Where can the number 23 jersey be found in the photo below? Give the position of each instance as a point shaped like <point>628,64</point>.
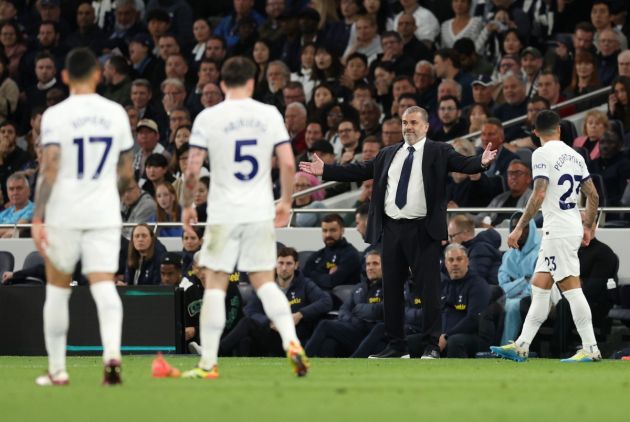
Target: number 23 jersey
<point>91,132</point>
<point>240,136</point>
<point>565,170</point>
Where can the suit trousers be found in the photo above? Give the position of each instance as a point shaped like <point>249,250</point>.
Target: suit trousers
<point>407,246</point>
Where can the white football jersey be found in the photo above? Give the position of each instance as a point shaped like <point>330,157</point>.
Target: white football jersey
<point>566,171</point>
<point>92,132</point>
<point>240,136</point>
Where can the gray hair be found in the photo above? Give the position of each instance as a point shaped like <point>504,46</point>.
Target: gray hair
<point>417,109</point>
<point>455,247</point>
<point>172,81</point>
<point>456,84</point>
<point>285,69</point>
<point>518,76</point>
<point>19,176</point>
<point>426,63</point>
<point>142,82</point>
<point>298,106</point>
<point>126,3</point>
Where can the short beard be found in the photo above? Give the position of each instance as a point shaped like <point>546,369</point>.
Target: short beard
<point>411,138</point>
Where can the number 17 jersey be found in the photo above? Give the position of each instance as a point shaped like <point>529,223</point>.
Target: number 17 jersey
<point>240,136</point>
<point>565,170</point>
<point>91,132</point>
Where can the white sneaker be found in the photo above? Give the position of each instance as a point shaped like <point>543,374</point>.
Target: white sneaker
<point>194,348</point>
<point>60,378</point>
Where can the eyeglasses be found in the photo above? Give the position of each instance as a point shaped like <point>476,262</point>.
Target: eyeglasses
<point>452,236</point>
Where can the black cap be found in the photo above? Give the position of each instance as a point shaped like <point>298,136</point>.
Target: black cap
<point>159,15</point>
<point>533,51</point>
<point>143,39</point>
<point>322,146</point>
<point>156,160</point>
<point>484,80</point>
<point>172,258</point>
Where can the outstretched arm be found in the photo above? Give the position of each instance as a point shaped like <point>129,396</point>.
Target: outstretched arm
<point>471,165</point>
<point>532,207</point>
<point>353,172</point>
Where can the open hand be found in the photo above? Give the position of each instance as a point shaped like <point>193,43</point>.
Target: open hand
<point>489,155</point>
<point>315,167</point>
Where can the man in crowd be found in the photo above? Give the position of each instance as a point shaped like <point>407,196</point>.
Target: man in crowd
<point>20,209</point>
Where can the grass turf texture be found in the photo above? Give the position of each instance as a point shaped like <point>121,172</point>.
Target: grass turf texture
<point>335,390</point>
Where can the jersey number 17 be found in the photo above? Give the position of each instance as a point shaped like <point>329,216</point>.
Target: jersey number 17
<point>92,140</point>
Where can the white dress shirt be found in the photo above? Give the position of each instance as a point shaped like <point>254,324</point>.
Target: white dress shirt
<point>416,206</point>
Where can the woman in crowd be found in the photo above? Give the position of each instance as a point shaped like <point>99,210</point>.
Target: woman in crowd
<point>584,79</point>
<point>595,125</point>
<point>191,243</point>
<point>202,32</point>
<point>461,26</point>
<point>13,45</point>
<point>618,105</point>
<point>144,257</point>
<point>305,74</point>
<point>261,54</point>
<point>168,209</point>
<point>200,198</point>
<point>478,114</point>
<point>303,181</point>
<point>323,96</point>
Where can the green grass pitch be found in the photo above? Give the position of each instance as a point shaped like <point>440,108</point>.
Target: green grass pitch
<point>335,390</point>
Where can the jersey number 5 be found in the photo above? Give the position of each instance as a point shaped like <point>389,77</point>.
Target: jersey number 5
<point>80,143</point>
<point>569,178</point>
<point>239,157</point>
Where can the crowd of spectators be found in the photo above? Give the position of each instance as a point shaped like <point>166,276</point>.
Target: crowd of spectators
<point>341,72</point>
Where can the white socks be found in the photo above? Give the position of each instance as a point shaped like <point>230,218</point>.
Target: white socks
<point>110,316</point>
<point>537,314</point>
<point>56,321</point>
<point>582,318</point>
<point>211,325</point>
<point>279,312</point>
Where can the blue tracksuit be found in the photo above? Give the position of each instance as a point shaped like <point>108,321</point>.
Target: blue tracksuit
<point>343,257</point>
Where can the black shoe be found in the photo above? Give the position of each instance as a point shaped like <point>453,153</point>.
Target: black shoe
<point>431,352</point>
<point>391,353</point>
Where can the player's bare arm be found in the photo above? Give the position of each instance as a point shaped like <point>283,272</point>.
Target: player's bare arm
<point>592,202</point>
<point>189,213</point>
<point>125,171</point>
<point>532,207</point>
<point>286,164</point>
<point>48,174</point>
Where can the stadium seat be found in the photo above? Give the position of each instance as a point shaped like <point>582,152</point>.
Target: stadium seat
<point>342,292</point>
<point>303,256</point>
<point>33,259</point>
<point>7,261</point>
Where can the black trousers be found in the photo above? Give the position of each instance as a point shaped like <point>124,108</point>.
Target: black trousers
<point>407,245</point>
<point>335,339</point>
<point>249,338</point>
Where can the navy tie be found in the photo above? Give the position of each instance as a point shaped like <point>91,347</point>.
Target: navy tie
<point>403,183</point>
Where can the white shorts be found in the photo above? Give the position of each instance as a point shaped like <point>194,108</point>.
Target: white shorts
<point>559,257</point>
<point>98,249</point>
<point>247,247</point>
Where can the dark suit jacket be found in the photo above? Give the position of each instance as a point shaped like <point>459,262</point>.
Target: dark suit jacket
<point>438,159</point>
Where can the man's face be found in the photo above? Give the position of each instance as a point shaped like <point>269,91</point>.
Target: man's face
<point>140,96</point>
<point>169,275</point>
<point>440,66</point>
<point>406,26</point>
<point>18,192</point>
<point>167,46</point>
<point>177,92</point>
<point>348,8</point>
<point>391,134</point>
<point>518,179</point>
<point>392,46</point>
<point>608,42</point>
<point>404,104</point>
<point>608,147</point>
<point>548,88</point>
<point>157,28</point>
<point>155,173</point>
<point>531,64</point>
<point>293,95</point>
<point>482,94</point>
<point>331,233</point>
<point>285,267</point>
<point>369,115</point>
<point>276,78</point>
<point>533,109</point>
<point>508,64</point>
<point>513,91</point>
<point>356,69</point>
<point>448,112</point>
<point>211,95</point>
<point>414,127</point>
<point>373,267</point>
<point>313,133</point>
<point>45,70</point>
<point>85,15</point>
<point>208,72</point>
<point>365,31</point>
<point>491,134</point>
<point>447,88</point>
<point>623,63</point>
<point>456,263</point>
<point>600,16</point>
<point>370,150</point>
<point>137,52</point>
<point>50,12</point>
<point>583,40</point>
<point>348,136</point>
<point>215,50</point>
<point>131,195</point>
<point>147,139</point>
<point>423,77</point>
<point>361,224</point>
<point>294,120</point>
<point>8,137</point>
<point>176,67</point>
<point>274,8</point>
<point>47,36</point>
<point>178,118</point>
<point>126,15</point>
<point>455,234</point>
<point>243,7</point>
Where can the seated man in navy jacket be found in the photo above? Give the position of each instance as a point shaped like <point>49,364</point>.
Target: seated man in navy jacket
<point>357,316</point>
<point>464,297</point>
<point>255,335</point>
<point>338,262</point>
